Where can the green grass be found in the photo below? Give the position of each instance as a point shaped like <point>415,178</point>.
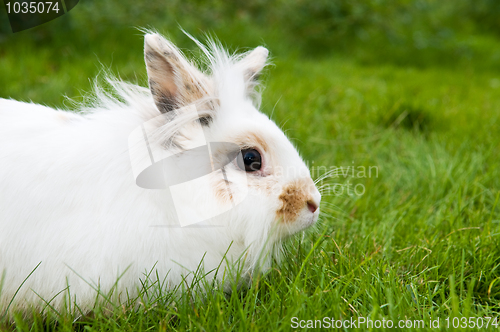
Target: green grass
<point>422,243</point>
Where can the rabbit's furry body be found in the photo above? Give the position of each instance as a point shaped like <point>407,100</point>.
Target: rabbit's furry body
<point>70,207</point>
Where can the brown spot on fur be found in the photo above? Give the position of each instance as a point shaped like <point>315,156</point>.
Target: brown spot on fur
<point>63,117</point>
<point>294,198</point>
<point>222,191</point>
<point>67,117</point>
<point>251,140</point>
<point>172,81</point>
<point>263,185</point>
<point>165,103</point>
<point>161,81</point>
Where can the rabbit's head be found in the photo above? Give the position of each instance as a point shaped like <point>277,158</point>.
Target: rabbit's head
<point>267,189</point>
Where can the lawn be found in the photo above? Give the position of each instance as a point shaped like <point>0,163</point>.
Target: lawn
<point>418,241</point>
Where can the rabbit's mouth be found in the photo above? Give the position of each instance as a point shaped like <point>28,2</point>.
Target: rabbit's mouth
<point>313,218</point>
<point>300,224</point>
<point>309,219</point>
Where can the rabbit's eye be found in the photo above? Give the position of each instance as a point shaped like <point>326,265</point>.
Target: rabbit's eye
<point>252,160</point>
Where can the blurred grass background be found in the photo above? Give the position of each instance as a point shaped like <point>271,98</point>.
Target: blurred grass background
<point>456,34</point>
<point>409,86</point>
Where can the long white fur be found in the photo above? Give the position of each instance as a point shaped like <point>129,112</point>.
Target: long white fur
<point>69,202</point>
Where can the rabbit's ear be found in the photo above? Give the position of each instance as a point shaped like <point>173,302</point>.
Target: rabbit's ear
<point>253,63</point>
<point>173,81</point>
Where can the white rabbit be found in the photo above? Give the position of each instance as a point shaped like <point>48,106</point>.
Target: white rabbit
<point>72,210</point>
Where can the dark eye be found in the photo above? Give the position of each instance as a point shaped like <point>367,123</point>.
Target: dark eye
<point>252,161</point>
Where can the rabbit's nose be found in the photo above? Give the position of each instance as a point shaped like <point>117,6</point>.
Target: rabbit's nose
<point>312,206</point>
<point>314,200</point>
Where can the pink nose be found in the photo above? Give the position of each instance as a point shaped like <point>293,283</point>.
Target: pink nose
<point>312,206</point>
